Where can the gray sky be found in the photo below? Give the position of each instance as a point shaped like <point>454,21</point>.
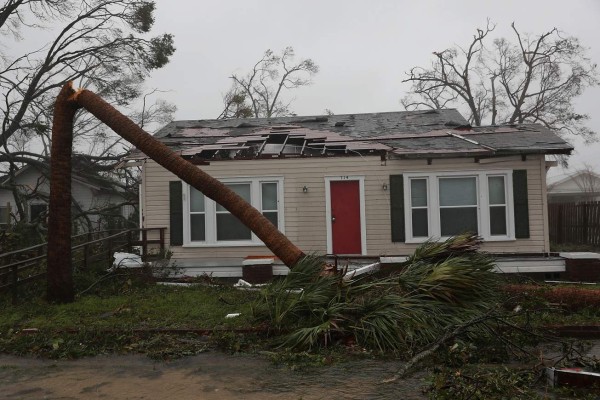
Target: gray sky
<point>363,48</point>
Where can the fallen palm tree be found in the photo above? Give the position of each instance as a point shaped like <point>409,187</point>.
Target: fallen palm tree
<point>60,281</point>
<point>441,286</point>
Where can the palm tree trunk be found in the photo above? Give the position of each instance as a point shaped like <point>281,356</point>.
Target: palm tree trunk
<point>277,242</point>
<point>60,274</point>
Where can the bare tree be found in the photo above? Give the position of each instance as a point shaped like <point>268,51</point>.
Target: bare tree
<point>534,79</point>
<point>14,13</point>
<point>588,182</point>
<point>103,45</point>
<point>259,93</point>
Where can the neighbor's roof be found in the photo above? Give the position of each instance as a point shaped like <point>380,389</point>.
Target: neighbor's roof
<point>405,134</point>
<point>82,171</point>
<point>578,182</point>
<point>564,178</point>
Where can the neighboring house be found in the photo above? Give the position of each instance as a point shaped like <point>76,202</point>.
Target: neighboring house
<point>92,195</point>
<point>577,187</point>
<point>364,184</point>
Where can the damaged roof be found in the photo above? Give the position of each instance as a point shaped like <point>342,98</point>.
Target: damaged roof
<point>404,134</point>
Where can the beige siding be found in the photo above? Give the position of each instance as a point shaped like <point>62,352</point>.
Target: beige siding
<point>305,219</point>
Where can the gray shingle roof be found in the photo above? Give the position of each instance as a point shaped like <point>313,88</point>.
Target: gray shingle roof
<point>351,125</point>
<point>405,134</point>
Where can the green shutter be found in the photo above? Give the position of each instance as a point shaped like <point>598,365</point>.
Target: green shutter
<point>397,207</point>
<point>521,205</point>
<point>176,213</point>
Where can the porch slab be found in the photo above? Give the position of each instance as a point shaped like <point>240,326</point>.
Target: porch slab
<point>580,255</point>
<point>232,267</point>
<point>529,264</point>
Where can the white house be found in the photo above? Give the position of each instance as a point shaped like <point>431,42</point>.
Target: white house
<point>580,186</point>
<point>92,196</point>
<point>360,184</point>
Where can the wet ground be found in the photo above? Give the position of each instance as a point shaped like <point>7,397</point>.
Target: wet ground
<point>208,376</point>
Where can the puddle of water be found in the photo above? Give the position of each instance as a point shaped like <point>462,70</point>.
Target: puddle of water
<point>211,376</point>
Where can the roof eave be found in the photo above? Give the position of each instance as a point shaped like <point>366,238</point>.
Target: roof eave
<point>483,153</point>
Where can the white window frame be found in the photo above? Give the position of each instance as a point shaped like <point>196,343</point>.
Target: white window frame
<point>483,206</point>
<point>210,207</point>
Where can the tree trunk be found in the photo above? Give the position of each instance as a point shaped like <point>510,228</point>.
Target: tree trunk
<point>60,274</point>
<point>277,242</point>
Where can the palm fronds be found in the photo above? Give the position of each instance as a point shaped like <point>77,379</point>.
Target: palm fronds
<point>459,280</point>
<point>460,244</point>
<point>301,296</point>
<point>441,286</point>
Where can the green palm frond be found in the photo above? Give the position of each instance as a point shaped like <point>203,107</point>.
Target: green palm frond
<point>441,286</point>
<point>460,244</point>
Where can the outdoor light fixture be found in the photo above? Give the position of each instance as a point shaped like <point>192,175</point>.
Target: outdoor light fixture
<point>304,189</point>
<point>384,187</point>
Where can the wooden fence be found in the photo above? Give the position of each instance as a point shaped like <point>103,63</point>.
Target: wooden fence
<point>21,267</point>
<point>575,223</point>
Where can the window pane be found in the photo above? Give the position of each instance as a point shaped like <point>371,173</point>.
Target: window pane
<point>418,192</point>
<point>36,211</point>
<point>496,189</point>
<point>455,221</point>
<point>498,220</point>
<point>4,217</point>
<point>197,227</point>
<point>196,200</point>
<point>419,223</point>
<point>271,216</point>
<point>230,228</point>
<point>242,189</point>
<point>269,196</point>
<point>458,191</point>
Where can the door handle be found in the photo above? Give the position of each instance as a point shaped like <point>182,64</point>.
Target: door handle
<point>332,219</point>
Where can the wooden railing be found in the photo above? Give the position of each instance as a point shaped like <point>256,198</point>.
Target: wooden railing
<point>20,267</point>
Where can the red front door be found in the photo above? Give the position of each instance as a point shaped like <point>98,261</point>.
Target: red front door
<point>345,217</point>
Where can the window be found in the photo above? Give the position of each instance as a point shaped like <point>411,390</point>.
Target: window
<point>210,224</point>
<point>446,203</point>
<point>228,226</point>
<point>419,208</point>
<point>37,212</point>
<point>458,205</point>
<point>497,204</point>
<point>4,215</point>
<point>197,216</point>
<point>269,203</point>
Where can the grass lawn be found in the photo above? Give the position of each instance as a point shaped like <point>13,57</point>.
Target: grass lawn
<point>117,323</point>
<point>121,317</point>
<point>153,306</point>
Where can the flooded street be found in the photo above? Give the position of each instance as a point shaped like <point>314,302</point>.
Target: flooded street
<point>208,376</point>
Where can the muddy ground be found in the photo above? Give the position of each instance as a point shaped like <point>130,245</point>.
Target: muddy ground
<point>211,376</point>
